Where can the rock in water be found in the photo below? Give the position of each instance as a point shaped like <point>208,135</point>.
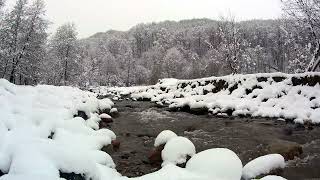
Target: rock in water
<point>216,163</point>
<point>287,149</point>
<point>105,121</point>
<point>155,155</point>
<point>263,165</point>
<point>114,112</point>
<point>115,145</point>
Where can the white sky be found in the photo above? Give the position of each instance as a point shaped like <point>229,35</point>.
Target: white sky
<point>92,16</point>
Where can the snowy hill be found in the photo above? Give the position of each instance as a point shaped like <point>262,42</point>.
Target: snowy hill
<point>276,95</point>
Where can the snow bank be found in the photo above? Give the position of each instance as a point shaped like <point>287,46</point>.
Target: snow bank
<point>176,151</point>
<point>40,136</point>
<point>216,164</point>
<point>276,95</point>
<point>263,165</point>
<point>164,137</point>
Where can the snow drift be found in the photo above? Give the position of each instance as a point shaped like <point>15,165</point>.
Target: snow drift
<point>41,137</point>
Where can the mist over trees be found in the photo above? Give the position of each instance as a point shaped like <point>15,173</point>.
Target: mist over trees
<point>147,52</point>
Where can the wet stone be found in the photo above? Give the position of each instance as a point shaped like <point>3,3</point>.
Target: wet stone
<point>155,155</point>
<point>72,176</point>
<point>115,145</point>
<point>81,114</point>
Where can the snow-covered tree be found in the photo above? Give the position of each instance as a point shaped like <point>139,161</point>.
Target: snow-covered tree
<point>231,44</point>
<point>12,30</point>
<point>173,64</point>
<point>63,52</point>
<point>23,37</point>
<point>306,15</point>
<point>213,61</point>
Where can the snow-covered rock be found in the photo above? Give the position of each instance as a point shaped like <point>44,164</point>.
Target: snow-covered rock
<point>105,104</point>
<point>114,112</point>
<point>263,165</point>
<point>164,137</point>
<point>177,150</point>
<point>272,177</point>
<point>105,116</point>
<point>216,163</point>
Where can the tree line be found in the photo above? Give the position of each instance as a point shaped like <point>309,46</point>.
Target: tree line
<point>147,52</point>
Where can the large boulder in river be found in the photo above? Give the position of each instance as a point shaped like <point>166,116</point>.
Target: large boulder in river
<point>159,143</point>
<point>268,164</point>
<point>216,163</point>
<point>287,149</point>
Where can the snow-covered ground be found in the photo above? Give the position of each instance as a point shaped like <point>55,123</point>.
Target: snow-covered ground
<point>40,137</point>
<point>276,95</point>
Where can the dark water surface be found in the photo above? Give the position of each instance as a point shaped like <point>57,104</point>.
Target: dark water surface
<point>140,122</point>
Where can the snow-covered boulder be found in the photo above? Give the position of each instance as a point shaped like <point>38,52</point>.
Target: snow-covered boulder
<point>263,165</point>
<point>114,112</point>
<point>216,163</point>
<point>105,121</point>
<point>177,150</point>
<point>154,155</point>
<point>105,116</point>
<point>105,105</point>
<point>164,137</point>
<point>272,177</point>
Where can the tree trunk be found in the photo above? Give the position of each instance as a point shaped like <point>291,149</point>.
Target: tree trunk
<point>315,62</point>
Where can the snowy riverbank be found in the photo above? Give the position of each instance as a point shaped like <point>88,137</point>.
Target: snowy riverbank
<point>276,95</point>
<point>48,132</point>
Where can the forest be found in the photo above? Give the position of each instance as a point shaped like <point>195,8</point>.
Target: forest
<point>147,52</point>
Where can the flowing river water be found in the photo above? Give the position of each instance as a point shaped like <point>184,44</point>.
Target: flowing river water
<point>140,122</point>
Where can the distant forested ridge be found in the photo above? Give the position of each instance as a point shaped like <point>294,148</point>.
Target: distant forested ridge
<point>147,52</point>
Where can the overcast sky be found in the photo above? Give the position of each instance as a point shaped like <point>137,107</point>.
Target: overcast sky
<point>92,16</point>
